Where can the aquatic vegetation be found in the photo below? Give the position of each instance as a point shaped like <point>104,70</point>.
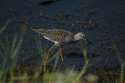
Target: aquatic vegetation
<point>42,72</point>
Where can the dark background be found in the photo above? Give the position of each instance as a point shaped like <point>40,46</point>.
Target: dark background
<point>109,16</point>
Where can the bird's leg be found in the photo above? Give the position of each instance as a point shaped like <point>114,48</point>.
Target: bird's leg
<point>61,54</point>
<point>49,52</point>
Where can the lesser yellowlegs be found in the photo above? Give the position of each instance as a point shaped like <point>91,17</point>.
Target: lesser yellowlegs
<point>59,35</point>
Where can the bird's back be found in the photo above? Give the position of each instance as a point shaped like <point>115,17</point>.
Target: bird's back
<point>56,34</point>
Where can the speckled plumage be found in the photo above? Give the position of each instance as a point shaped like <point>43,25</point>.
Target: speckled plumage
<point>59,35</point>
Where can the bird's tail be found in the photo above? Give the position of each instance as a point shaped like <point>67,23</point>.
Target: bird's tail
<point>40,31</point>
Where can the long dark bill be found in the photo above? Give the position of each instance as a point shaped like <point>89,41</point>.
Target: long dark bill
<point>89,42</point>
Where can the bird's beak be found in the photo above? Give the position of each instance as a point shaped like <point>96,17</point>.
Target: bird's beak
<point>89,42</point>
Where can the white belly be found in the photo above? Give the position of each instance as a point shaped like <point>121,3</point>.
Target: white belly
<point>51,40</point>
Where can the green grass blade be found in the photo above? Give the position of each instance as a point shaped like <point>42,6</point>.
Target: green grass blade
<point>40,51</point>
<point>54,56</point>
<point>13,44</point>
<point>18,46</point>
<point>4,27</point>
<point>56,60</point>
<point>84,67</point>
<point>2,48</point>
<point>7,45</point>
<point>38,44</point>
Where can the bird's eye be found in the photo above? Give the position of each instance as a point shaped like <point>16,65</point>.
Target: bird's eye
<point>83,35</point>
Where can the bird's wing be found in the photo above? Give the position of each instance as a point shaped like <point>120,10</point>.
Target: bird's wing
<point>58,34</point>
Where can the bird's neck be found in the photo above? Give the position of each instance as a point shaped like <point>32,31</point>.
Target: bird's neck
<point>76,37</point>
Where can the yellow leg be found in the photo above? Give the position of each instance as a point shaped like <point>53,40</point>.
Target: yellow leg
<point>61,54</point>
<point>49,52</point>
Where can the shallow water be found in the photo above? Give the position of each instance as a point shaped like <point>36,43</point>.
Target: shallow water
<point>108,14</point>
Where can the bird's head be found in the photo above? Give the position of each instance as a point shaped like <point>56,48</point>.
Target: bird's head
<point>80,36</point>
